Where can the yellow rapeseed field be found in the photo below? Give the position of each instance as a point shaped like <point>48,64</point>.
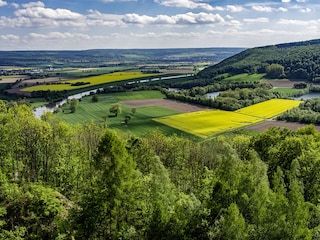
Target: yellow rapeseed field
<point>270,108</point>
<point>207,123</point>
<point>96,80</point>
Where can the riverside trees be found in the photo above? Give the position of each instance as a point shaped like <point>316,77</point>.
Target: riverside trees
<point>59,181</point>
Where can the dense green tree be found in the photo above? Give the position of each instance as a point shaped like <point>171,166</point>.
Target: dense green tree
<point>115,109</point>
<point>275,71</point>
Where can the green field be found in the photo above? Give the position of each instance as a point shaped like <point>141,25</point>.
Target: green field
<point>245,77</point>
<point>287,91</point>
<point>91,81</point>
<point>141,121</point>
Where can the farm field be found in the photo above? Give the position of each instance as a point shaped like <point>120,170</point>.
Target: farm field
<point>245,77</point>
<point>270,108</point>
<point>287,91</point>
<point>91,81</point>
<point>263,126</point>
<point>207,123</point>
<point>141,121</point>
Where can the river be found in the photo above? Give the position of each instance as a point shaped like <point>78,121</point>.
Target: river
<point>39,111</point>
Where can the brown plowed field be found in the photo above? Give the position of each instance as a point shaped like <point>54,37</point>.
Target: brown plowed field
<point>166,103</point>
<point>270,123</point>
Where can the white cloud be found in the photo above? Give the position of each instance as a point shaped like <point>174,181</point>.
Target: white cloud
<point>185,4</point>
<point>187,18</point>
<point>286,1</point>
<point>3,3</point>
<point>235,8</point>
<point>9,37</point>
<point>15,5</point>
<point>256,20</point>
<point>305,10</point>
<point>268,9</point>
<point>33,4</point>
<point>47,13</point>
<point>107,1</point>
<point>56,36</point>
<point>302,1</point>
<point>298,22</point>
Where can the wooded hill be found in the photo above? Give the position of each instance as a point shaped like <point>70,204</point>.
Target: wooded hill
<point>300,60</point>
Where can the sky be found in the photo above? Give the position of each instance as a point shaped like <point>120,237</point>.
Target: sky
<point>125,24</point>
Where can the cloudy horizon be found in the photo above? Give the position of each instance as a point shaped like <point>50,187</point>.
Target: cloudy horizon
<point>96,24</point>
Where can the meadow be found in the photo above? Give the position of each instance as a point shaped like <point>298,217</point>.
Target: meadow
<point>89,81</point>
<point>141,121</point>
<point>201,124</point>
<point>245,77</point>
<point>287,91</point>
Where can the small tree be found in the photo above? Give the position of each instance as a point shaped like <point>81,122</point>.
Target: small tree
<point>115,109</point>
<point>73,105</point>
<point>275,71</point>
<point>127,119</point>
<point>94,98</point>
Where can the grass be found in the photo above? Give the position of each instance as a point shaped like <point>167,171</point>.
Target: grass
<point>287,91</point>
<point>207,123</point>
<point>270,108</point>
<point>141,121</point>
<point>245,77</point>
<point>92,81</point>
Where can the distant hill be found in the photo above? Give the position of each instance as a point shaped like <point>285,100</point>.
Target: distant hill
<point>301,60</point>
<point>100,57</point>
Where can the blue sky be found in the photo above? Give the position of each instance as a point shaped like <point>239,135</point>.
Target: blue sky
<point>91,24</point>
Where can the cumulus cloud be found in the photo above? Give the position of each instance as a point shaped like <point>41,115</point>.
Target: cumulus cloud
<point>268,9</point>
<point>256,20</point>
<point>187,18</point>
<point>235,8</point>
<point>56,36</point>
<point>33,4</point>
<point>9,37</point>
<point>286,1</point>
<point>3,3</point>
<point>107,1</point>
<point>47,13</point>
<point>15,5</point>
<point>299,22</point>
<point>305,10</point>
<point>185,4</point>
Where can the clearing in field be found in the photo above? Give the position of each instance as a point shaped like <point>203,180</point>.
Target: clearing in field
<point>270,108</point>
<point>245,77</point>
<point>90,81</point>
<point>207,123</point>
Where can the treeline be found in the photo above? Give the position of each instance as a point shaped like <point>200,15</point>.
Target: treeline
<point>59,181</point>
<point>235,95</point>
<point>307,112</point>
<point>300,61</point>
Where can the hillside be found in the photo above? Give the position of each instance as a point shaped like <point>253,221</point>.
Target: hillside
<point>300,61</point>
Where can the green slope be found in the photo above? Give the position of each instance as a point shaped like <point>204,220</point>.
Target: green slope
<point>299,59</point>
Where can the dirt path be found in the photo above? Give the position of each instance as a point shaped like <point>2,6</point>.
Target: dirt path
<point>271,123</point>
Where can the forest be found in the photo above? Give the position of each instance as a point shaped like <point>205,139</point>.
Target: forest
<point>86,181</point>
<point>300,61</point>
